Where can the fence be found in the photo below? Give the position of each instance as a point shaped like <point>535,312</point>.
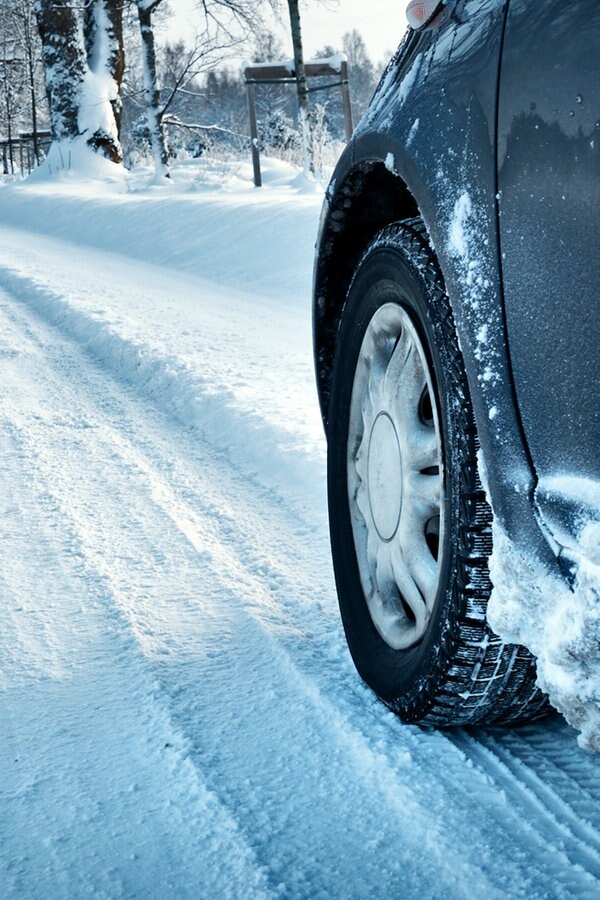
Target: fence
<point>18,153</point>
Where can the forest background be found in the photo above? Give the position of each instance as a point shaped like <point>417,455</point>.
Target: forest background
<point>109,73</point>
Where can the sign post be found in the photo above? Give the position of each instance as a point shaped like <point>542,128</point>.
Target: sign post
<point>284,73</point>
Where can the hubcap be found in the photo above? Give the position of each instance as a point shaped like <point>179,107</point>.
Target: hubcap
<point>395,478</point>
<point>384,482</point>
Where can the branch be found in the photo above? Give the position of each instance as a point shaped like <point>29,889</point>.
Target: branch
<point>195,126</point>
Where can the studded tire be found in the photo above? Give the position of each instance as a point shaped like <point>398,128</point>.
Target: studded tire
<point>458,671</point>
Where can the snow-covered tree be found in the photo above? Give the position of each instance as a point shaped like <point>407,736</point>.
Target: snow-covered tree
<point>12,84</point>
<point>273,101</point>
<point>64,64</point>
<point>29,41</point>
<point>83,61</point>
<point>223,27</point>
<point>154,111</point>
<point>103,38</point>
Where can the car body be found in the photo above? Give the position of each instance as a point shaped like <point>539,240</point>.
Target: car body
<point>486,125</point>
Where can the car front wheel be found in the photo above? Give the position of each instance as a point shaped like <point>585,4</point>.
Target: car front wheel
<point>410,525</point>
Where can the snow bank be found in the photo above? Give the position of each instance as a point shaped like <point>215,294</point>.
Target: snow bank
<point>561,626</point>
<point>206,343</point>
<point>73,161</point>
<point>210,221</point>
<point>249,425</point>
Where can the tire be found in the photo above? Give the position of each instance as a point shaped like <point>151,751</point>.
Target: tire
<point>409,522</point>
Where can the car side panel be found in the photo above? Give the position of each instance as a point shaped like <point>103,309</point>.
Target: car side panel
<point>549,180</point>
<point>433,121</point>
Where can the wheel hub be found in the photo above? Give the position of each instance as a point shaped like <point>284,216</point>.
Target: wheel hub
<point>395,477</point>
<point>385,477</point>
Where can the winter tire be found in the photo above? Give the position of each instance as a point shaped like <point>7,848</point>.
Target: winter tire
<point>410,525</point>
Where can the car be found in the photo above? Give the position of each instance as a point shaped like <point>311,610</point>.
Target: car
<point>456,333</point>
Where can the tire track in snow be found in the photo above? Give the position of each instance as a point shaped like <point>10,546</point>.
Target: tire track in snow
<point>98,791</point>
<point>309,735</point>
<point>193,397</point>
<point>573,775</point>
<point>351,714</point>
<point>169,503</point>
<point>537,800</point>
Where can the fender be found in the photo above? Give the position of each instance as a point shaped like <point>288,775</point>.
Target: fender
<point>427,146</point>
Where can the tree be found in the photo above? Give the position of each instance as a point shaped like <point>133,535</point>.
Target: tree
<point>17,20</point>
<point>65,64</point>
<point>154,113</point>
<point>83,63</point>
<point>12,83</point>
<point>301,86</point>
<point>216,38</point>
<point>103,36</point>
<point>272,99</point>
<point>361,71</point>
<point>30,44</point>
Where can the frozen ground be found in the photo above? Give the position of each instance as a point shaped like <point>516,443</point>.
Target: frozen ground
<point>179,713</point>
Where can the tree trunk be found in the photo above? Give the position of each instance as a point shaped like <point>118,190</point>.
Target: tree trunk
<point>34,127</point>
<point>154,114</point>
<point>29,54</point>
<point>10,85</point>
<point>103,36</point>
<point>64,64</point>
<point>302,87</point>
<point>9,133</point>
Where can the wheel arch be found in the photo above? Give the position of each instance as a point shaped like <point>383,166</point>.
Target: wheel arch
<point>369,197</point>
<point>380,180</point>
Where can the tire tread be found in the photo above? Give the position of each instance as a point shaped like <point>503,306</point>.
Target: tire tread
<point>479,678</point>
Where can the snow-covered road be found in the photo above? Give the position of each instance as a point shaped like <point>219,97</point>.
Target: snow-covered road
<point>179,713</point>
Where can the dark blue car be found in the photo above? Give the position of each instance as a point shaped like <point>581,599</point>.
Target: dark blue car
<point>456,329</point>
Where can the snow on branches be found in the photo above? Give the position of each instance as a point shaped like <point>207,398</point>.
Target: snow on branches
<point>83,62</point>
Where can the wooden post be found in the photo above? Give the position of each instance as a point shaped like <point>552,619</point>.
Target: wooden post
<point>348,124</point>
<point>283,73</point>
<point>250,91</point>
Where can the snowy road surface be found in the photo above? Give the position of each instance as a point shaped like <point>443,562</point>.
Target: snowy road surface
<point>179,713</point>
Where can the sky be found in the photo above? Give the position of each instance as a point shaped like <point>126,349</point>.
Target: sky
<point>381,23</point>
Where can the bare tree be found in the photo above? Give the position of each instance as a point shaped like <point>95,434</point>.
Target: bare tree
<point>218,35</point>
<point>20,17</point>
<point>29,43</point>
<point>11,81</point>
<point>302,86</point>
<point>362,74</point>
<point>154,113</point>
<point>11,92</point>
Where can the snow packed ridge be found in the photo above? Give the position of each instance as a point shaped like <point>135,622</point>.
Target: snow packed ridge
<point>181,717</point>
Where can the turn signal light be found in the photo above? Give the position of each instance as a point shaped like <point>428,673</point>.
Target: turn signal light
<point>419,12</point>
